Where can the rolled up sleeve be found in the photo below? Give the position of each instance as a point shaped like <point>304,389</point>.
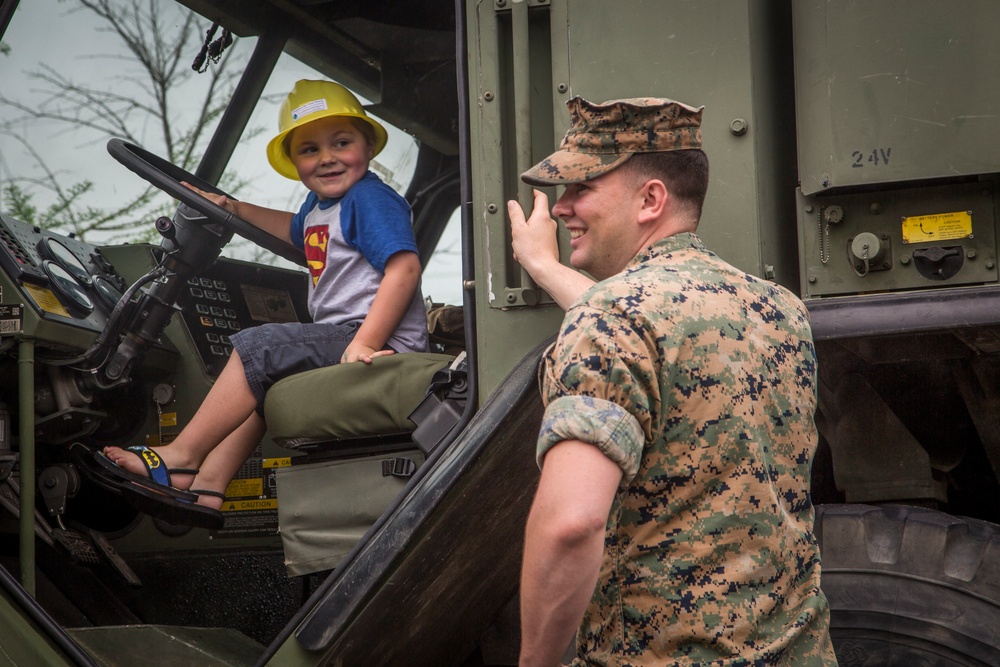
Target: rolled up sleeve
<point>599,422</point>
<point>599,383</point>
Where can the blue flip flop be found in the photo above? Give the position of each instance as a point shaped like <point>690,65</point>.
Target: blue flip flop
<point>116,477</point>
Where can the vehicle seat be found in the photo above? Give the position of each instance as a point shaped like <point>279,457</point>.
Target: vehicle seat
<point>350,401</point>
<point>364,430</point>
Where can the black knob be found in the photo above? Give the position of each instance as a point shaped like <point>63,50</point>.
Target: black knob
<point>165,226</point>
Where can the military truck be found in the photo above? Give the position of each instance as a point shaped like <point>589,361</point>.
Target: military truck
<point>855,160</point>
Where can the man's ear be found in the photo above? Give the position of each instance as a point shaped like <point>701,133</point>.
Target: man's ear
<point>655,199</point>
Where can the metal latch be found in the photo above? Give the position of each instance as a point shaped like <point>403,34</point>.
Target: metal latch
<point>398,467</point>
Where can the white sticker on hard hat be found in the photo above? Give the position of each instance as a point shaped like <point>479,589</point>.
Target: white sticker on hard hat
<point>308,108</point>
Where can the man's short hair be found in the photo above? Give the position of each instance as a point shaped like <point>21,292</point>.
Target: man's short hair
<point>684,172</point>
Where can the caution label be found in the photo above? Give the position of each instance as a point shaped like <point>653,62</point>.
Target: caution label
<point>242,488</point>
<point>247,504</point>
<point>168,419</point>
<point>46,300</point>
<point>937,227</point>
<point>251,506</point>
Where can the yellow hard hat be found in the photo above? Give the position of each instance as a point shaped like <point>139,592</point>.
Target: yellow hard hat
<point>309,101</point>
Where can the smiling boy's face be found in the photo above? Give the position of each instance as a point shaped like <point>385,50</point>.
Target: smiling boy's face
<point>331,155</point>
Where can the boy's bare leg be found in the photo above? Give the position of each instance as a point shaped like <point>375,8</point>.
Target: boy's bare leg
<point>223,462</point>
<point>228,405</point>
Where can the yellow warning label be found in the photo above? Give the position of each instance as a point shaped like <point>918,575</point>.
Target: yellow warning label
<point>247,505</point>
<point>46,300</point>
<point>938,227</point>
<point>168,419</point>
<point>240,488</point>
<point>283,462</point>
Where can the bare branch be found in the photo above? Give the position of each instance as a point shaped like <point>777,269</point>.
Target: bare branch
<point>149,102</point>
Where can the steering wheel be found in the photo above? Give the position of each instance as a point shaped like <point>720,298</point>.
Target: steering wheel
<point>167,177</point>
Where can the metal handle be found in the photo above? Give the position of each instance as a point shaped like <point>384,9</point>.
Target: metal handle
<point>528,292</point>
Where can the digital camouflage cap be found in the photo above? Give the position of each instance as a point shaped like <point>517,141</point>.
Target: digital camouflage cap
<point>602,136</point>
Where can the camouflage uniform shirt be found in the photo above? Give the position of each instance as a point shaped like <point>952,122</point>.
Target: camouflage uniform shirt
<point>699,381</point>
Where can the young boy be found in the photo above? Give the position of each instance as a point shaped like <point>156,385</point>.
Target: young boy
<point>364,298</point>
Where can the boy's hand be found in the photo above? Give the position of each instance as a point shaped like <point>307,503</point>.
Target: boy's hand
<point>361,352</point>
<point>219,200</point>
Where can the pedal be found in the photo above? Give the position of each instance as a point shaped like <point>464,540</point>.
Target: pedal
<point>112,558</point>
<point>86,548</point>
<point>76,545</point>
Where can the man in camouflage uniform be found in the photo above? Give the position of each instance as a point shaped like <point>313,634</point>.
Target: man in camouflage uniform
<point>673,512</point>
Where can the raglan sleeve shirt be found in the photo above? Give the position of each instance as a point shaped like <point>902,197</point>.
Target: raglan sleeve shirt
<point>374,220</point>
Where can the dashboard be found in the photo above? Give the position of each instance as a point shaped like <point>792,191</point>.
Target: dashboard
<point>61,290</point>
<point>61,279</point>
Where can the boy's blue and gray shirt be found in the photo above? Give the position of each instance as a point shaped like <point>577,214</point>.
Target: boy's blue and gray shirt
<point>699,380</point>
<point>347,243</point>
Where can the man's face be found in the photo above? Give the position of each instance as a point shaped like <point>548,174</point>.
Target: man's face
<point>330,154</point>
<point>601,218</point>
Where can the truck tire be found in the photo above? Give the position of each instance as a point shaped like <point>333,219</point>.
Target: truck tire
<point>910,586</point>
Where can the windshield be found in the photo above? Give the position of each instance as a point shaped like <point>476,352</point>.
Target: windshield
<point>75,74</point>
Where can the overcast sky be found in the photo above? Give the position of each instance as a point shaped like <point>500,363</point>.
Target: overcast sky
<point>67,39</point>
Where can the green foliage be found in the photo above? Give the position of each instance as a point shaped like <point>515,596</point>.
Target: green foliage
<point>18,203</point>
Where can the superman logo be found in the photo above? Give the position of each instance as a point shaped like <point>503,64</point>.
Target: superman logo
<point>315,248</point>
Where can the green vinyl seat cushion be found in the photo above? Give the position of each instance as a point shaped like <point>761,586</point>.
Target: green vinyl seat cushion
<point>350,400</point>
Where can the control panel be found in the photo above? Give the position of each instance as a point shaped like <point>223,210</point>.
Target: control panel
<point>902,239</point>
<point>234,295</point>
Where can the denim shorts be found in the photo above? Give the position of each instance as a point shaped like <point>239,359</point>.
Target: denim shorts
<point>271,352</point>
